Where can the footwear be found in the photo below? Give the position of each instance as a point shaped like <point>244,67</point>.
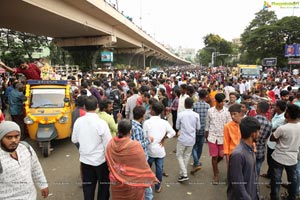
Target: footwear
<point>284,196</point>
<point>195,169</point>
<point>165,174</point>
<point>265,176</point>
<point>215,180</point>
<point>159,190</point>
<point>183,178</point>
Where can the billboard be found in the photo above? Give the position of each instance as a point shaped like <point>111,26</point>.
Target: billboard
<point>269,62</point>
<point>107,56</point>
<point>292,50</point>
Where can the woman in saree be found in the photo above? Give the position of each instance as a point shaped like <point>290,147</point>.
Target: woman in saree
<point>130,173</point>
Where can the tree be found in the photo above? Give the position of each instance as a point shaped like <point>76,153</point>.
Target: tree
<point>203,57</point>
<point>266,36</point>
<point>256,35</point>
<point>15,45</point>
<point>214,43</point>
<point>262,18</point>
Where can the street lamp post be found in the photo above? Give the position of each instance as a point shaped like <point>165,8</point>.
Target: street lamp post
<point>212,55</point>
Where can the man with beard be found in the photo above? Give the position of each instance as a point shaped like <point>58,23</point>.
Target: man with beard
<point>20,168</point>
<point>106,108</point>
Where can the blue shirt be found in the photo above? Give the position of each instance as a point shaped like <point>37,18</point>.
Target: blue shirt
<point>277,121</point>
<point>15,102</point>
<point>201,108</point>
<point>187,123</point>
<point>137,134</point>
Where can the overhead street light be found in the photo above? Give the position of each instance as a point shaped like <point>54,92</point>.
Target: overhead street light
<point>212,55</point>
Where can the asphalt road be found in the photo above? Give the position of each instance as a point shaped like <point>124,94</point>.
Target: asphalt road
<point>62,172</point>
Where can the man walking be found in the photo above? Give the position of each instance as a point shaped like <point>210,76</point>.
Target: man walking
<point>216,119</point>
<point>93,135</point>
<point>187,123</point>
<point>201,107</point>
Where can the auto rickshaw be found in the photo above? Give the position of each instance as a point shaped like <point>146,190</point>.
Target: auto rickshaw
<point>48,108</point>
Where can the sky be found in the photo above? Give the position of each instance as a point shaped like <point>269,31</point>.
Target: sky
<point>185,23</point>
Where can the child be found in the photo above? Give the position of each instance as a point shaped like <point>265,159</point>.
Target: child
<point>232,134</point>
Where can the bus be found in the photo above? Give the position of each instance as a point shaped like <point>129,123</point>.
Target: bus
<point>249,70</point>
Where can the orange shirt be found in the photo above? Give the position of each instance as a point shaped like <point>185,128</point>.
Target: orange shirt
<point>232,136</point>
<point>212,95</point>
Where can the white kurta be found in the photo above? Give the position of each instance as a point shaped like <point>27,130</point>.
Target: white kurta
<point>19,176</point>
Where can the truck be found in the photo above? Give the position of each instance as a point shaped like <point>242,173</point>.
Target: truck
<point>249,70</point>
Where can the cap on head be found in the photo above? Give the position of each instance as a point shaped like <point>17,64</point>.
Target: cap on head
<point>7,127</point>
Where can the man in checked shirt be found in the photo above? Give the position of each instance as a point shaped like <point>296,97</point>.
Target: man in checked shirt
<point>201,107</point>
<point>265,132</point>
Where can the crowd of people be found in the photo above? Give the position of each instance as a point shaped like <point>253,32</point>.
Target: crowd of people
<point>120,125</point>
<point>233,114</point>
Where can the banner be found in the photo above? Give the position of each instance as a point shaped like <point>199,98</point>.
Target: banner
<point>107,56</point>
<point>292,50</point>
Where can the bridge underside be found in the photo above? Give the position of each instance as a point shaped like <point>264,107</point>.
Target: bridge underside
<point>80,23</point>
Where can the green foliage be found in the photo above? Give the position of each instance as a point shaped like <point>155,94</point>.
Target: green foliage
<point>15,45</point>
<point>214,43</point>
<point>266,36</point>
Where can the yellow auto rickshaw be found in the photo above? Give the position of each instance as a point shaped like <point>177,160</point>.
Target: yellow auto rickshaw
<point>48,108</point>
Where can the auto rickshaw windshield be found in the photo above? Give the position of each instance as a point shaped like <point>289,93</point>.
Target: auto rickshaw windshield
<point>47,98</point>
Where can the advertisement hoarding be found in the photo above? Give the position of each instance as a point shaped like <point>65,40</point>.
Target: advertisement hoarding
<point>292,50</point>
<point>107,56</point>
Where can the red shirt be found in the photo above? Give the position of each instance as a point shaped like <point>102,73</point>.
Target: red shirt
<point>33,72</point>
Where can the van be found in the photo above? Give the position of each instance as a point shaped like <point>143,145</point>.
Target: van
<point>103,74</point>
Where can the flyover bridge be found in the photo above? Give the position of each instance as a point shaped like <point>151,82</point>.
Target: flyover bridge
<point>84,23</point>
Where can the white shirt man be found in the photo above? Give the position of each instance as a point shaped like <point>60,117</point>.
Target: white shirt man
<point>228,89</point>
<point>242,87</point>
<point>20,167</point>
<point>93,136</point>
<point>130,104</point>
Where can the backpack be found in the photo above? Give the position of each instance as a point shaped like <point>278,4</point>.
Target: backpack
<point>116,97</point>
<point>26,145</point>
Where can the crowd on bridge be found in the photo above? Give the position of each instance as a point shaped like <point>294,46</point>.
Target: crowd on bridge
<point>121,122</point>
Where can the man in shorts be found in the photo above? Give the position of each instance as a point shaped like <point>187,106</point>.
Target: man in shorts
<point>217,117</point>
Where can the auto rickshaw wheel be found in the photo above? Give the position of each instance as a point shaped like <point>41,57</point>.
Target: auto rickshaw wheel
<point>46,149</point>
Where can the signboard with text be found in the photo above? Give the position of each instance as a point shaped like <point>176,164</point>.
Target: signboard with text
<point>269,62</point>
<point>107,56</point>
<point>292,50</point>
